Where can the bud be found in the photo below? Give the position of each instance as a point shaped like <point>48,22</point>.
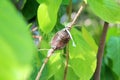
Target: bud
<point>60,39</point>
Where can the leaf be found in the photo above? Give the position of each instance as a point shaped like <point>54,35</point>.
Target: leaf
<point>47,14</point>
<point>88,38</point>
<point>106,72</point>
<point>71,74</point>
<point>65,2</point>
<point>108,10</point>
<point>52,66</point>
<point>83,56</point>
<point>16,51</point>
<point>112,31</point>
<point>113,53</point>
<point>40,1</point>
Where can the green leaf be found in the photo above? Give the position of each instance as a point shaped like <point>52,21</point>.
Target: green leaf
<point>108,10</point>
<point>106,72</point>
<point>52,66</point>
<point>113,53</point>
<point>88,38</point>
<point>83,56</point>
<point>40,1</point>
<point>65,2</point>
<point>47,14</point>
<point>60,73</point>
<point>112,31</point>
<point>71,74</point>
<point>17,48</point>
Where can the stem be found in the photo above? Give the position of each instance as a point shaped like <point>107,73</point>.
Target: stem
<point>70,10</point>
<point>66,62</point>
<point>76,16</point>
<point>67,46</point>
<point>100,52</point>
<point>50,52</point>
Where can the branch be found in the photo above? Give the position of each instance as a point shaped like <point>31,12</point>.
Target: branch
<point>66,62</point>
<point>59,41</point>
<point>50,52</point>
<point>66,49</point>
<point>76,16</point>
<point>100,52</point>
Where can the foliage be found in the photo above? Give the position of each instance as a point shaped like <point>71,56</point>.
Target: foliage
<point>107,10</point>
<point>19,58</point>
<point>113,50</point>
<point>49,9</point>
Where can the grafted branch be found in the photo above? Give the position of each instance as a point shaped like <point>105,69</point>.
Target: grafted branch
<point>59,41</point>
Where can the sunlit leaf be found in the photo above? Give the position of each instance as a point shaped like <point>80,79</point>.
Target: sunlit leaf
<point>83,56</point>
<point>47,14</point>
<point>108,10</point>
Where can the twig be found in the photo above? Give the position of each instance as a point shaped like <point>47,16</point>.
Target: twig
<point>66,62</point>
<point>50,52</point>
<point>100,52</point>
<point>66,49</point>
<point>76,16</point>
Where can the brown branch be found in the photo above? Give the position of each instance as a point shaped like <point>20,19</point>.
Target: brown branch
<point>50,52</point>
<point>100,52</point>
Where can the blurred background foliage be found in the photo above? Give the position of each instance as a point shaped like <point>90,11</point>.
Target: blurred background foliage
<point>20,58</point>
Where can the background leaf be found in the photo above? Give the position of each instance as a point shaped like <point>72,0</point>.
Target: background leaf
<point>108,10</point>
<point>112,31</point>
<point>113,53</point>
<point>16,50</point>
<point>65,2</point>
<point>83,56</point>
<point>47,14</point>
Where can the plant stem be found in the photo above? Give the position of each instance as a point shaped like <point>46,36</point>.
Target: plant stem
<point>100,52</point>
<point>66,62</point>
<point>66,52</point>
<point>70,10</point>
<point>76,16</point>
<point>50,52</point>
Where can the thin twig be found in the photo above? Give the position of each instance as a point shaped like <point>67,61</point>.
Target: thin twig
<point>66,51</point>
<point>66,62</point>
<point>100,52</point>
<point>50,52</point>
<point>76,16</point>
